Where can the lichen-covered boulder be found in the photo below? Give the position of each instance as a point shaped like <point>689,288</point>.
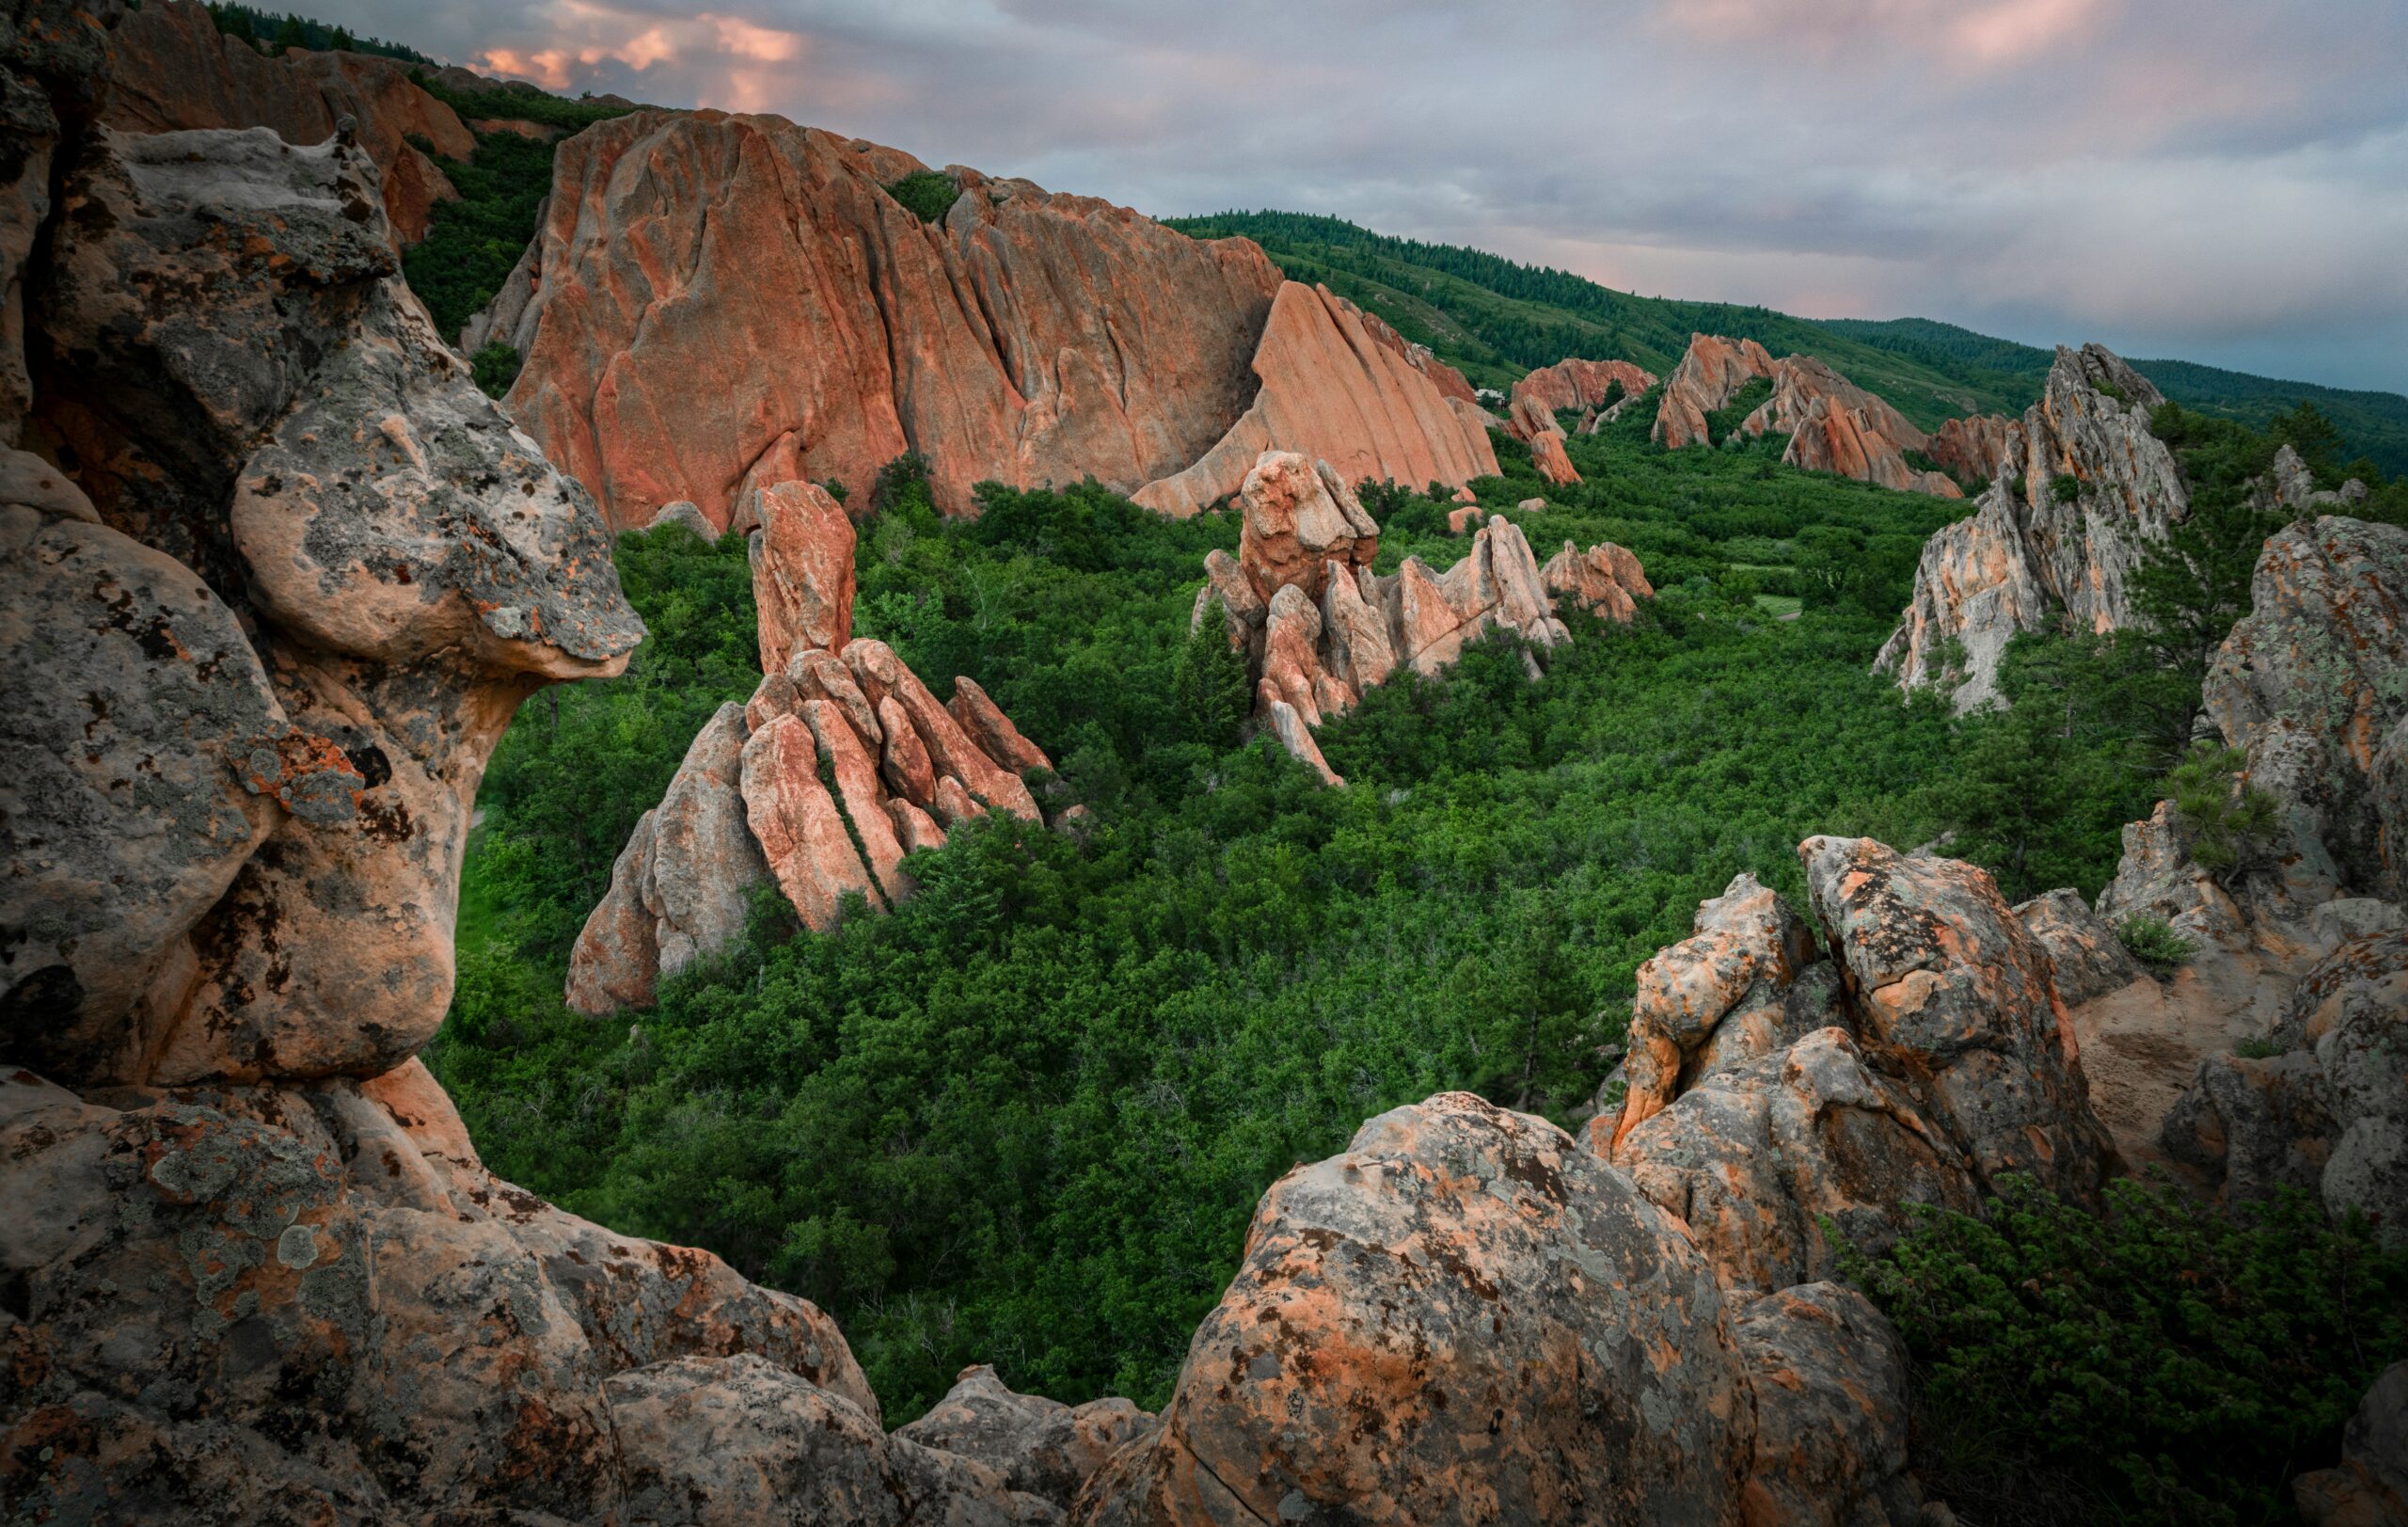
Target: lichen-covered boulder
<point>1938,969</point>
<point>1754,1161</point>
<point>1716,1000</point>
<point>1464,1318</point>
<point>1042,1447</point>
<point>1828,1374</point>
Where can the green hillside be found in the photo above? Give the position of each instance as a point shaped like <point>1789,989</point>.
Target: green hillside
<point>1494,319</point>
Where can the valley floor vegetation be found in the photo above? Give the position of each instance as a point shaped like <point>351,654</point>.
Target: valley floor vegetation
<point>1025,1118</point>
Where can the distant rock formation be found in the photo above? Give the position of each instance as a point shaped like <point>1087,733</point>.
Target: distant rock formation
<point>2077,487</point>
<point>1710,374</point>
<point>1532,424</point>
<point>1587,385</point>
<point>1334,390</point>
<point>1834,425</point>
<point>1030,337</point>
<point>1319,628</point>
<point>751,804</point>
<point>174,70</point>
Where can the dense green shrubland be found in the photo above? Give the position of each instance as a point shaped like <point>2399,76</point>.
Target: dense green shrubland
<point>472,242</point>
<point>1025,1118</point>
<point>2158,1363</point>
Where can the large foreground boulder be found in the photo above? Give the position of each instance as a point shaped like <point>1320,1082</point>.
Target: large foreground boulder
<point>1463,1318</point>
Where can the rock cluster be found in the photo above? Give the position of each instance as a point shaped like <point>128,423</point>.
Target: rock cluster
<point>1770,1088</point>
<point>750,804</point>
<point>173,70</point>
<point>1317,628</point>
<point>1834,425</point>
<point>2305,955</point>
<point>1029,338</point>
<point>2077,487</point>
<point>1533,423</point>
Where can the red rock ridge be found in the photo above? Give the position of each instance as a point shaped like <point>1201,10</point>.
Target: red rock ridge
<point>1711,373</point>
<point>1031,338</point>
<point>1334,391</point>
<point>1449,381</point>
<point>1581,384</point>
<point>174,70</point>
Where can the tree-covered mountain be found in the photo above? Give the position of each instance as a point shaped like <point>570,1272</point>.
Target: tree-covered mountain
<point>1494,318</point>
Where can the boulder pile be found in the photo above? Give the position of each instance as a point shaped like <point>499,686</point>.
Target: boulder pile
<point>1834,425</point>
<point>1317,628</point>
<point>2077,487</point>
<point>751,804</point>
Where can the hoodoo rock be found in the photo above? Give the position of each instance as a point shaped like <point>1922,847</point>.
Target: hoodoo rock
<point>1834,425</point>
<point>1332,391</point>
<point>174,70</point>
<point>751,802</point>
<point>1317,628</point>
<point>1027,337</point>
<point>2095,486</point>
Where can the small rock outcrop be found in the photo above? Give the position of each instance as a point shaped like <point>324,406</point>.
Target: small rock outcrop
<point>2077,487</point>
<point>1534,425</point>
<point>173,70</point>
<point>1040,1447</point>
<point>751,804</point>
<point>1834,425</point>
<point>1029,337</point>
<point>1317,628</point>
<point>2369,1487</point>
<point>1606,579</point>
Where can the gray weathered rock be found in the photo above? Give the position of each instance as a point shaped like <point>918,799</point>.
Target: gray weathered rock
<point>2086,959</point>
<point>1039,1446</point>
<point>1828,1374</point>
<point>2369,1489</point>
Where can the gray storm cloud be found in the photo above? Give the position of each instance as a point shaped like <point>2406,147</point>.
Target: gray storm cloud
<point>2213,179</point>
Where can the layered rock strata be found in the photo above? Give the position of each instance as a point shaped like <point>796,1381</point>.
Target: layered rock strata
<point>1834,425</point>
<point>2077,487</point>
<point>1029,337</point>
<point>173,70</point>
<point>1319,627</point>
<point>840,766</point>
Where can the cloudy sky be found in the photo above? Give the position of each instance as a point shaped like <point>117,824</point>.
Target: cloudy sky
<point>2226,181</point>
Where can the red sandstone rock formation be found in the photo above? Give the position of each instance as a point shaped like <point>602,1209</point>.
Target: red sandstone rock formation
<point>1835,426</point>
<point>751,804</point>
<point>1533,425</point>
<point>174,70</point>
<point>1030,337</point>
<point>1449,381</point>
<point>1607,580</point>
<point>1318,629</point>
<point>1977,447</point>
<point>1582,384</point>
<point>1710,374</point>
<point>1332,393</point>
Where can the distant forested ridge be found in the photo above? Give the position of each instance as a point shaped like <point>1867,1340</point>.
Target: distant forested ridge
<point>1496,318</point>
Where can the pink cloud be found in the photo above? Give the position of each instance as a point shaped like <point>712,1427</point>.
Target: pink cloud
<point>720,58</point>
<point>1976,35</point>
